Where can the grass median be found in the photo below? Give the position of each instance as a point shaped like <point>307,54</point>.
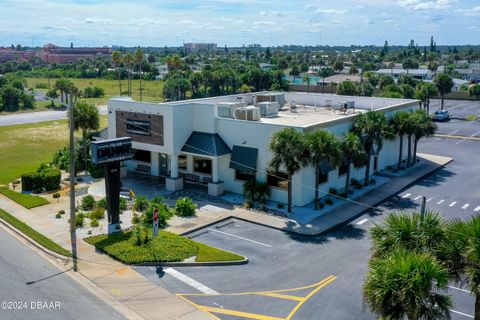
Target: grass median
<point>166,247</point>
<point>26,200</point>
<point>33,234</point>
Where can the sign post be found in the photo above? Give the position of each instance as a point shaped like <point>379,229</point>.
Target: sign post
<point>110,153</point>
<point>155,223</point>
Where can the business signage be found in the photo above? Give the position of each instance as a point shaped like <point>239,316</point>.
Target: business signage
<point>139,127</point>
<point>111,150</point>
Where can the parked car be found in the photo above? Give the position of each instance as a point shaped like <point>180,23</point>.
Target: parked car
<point>441,115</point>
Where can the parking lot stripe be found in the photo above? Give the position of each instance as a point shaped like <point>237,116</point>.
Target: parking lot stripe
<point>191,282</point>
<point>429,199</point>
<point>452,204</point>
<point>477,209</point>
<point>280,296</point>
<point>465,206</point>
<point>454,131</point>
<point>362,221</point>
<point>238,313</point>
<point>406,195</point>
<point>238,237</point>
<point>417,198</point>
<point>441,201</point>
<point>462,314</point>
<point>460,289</point>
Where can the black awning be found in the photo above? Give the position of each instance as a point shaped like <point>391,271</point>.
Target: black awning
<point>206,144</point>
<point>326,167</point>
<point>244,159</point>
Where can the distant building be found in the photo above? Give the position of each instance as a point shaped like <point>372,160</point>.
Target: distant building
<point>339,78</point>
<point>419,74</point>
<point>162,71</point>
<point>195,47</point>
<point>8,54</point>
<point>470,74</point>
<point>267,66</point>
<point>54,54</point>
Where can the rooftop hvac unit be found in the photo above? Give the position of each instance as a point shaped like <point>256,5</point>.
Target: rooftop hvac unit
<point>268,109</point>
<point>227,109</point>
<point>272,97</point>
<point>241,113</point>
<point>250,113</point>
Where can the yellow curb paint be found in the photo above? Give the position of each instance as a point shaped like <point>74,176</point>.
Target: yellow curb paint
<point>280,296</point>
<point>240,313</point>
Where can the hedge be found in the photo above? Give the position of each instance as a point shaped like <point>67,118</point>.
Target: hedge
<point>47,179</point>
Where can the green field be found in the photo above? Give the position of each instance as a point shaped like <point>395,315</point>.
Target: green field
<point>26,200</point>
<point>24,147</point>
<point>152,90</point>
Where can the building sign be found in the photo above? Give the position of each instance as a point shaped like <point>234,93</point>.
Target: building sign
<point>139,127</point>
<point>111,150</point>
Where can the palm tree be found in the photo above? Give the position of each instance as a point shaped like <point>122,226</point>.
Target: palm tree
<point>322,146</point>
<point>306,78</point>
<point>423,126</point>
<point>85,117</point>
<point>139,60</point>
<point>404,283</point>
<point>399,123</point>
<point>372,127</point>
<point>462,253</point>
<point>61,85</point>
<point>288,148</point>
<point>354,153</point>
<point>444,84</point>
<point>128,59</point>
<point>117,60</point>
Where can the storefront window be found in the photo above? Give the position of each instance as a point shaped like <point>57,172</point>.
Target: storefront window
<point>244,175</point>
<point>202,165</point>
<point>277,179</point>
<point>141,155</point>
<point>342,169</point>
<point>182,162</point>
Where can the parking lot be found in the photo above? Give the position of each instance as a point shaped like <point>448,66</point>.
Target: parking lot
<point>292,277</point>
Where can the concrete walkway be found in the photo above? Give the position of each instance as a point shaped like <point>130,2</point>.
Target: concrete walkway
<point>136,297</point>
<point>342,214</point>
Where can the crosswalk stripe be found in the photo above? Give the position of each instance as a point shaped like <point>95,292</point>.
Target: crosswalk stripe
<point>465,206</point>
<point>406,195</point>
<point>477,209</point>
<point>439,202</point>
<point>452,204</point>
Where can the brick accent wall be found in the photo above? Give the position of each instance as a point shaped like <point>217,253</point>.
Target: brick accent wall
<point>156,127</point>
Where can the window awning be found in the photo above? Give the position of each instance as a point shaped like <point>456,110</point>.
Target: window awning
<point>326,167</point>
<point>244,159</point>
<point>206,144</point>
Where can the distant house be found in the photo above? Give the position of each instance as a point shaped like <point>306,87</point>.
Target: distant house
<point>339,78</point>
<point>458,83</point>
<point>470,74</point>
<point>266,66</point>
<point>162,71</point>
<point>419,74</point>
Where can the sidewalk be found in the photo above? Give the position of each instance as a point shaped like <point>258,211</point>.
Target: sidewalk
<point>344,213</point>
<point>136,296</point>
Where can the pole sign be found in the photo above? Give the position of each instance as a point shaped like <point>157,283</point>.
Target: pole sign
<point>155,223</point>
<point>111,150</point>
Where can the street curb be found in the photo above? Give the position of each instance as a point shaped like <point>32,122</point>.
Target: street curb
<point>192,264</point>
<point>33,242</point>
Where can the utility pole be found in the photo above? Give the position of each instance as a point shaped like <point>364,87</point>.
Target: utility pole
<point>73,232</point>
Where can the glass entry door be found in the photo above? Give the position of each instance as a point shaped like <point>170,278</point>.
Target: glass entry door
<point>163,165</point>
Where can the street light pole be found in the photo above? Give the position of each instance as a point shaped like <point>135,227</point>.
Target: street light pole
<point>73,232</point>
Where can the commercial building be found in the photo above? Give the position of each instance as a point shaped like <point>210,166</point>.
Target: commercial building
<point>8,54</point>
<point>54,54</point>
<point>222,142</point>
<point>195,47</point>
<point>419,74</point>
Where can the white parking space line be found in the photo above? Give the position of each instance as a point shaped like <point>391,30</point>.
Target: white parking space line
<point>238,237</point>
<point>473,135</point>
<point>460,141</point>
<point>440,202</point>
<point>417,198</point>
<point>191,282</point>
<point>465,206</point>
<point>362,221</point>
<point>406,195</point>
<point>452,204</point>
<point>429,199</point>
<point>460,289</point>
<point>462,314</point>
<point>454,131</point>
<point>477,209</point>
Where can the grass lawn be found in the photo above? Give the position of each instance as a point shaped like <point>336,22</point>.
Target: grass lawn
<point>24,147</point>
<point>34,235</point>
<point>39,106</point>
<point>26,200</point>
<point>167,247</point>
<point>152,89</point>
<point>471,117</point>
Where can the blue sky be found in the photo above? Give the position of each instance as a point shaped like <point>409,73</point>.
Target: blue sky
<point>237,22</point>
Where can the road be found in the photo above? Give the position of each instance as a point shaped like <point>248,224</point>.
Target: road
<point>28,278</point>
<point>322,278</point>
<point>34,117</point>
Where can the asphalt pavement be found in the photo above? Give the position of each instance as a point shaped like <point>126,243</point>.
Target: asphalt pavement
<point>291,277</point>
<point>32,288</point>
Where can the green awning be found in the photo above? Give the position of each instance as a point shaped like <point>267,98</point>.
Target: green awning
<point>244,159</point>
<point>206,144</point>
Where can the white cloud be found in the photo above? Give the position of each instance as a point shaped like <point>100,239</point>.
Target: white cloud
<point>427,5</point>
<point>329,11</point>
<point>271,13</point>
<point>98,20</point>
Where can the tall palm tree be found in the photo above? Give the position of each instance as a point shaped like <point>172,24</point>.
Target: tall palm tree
<point>372,127</point>
<point>288,148</point>
<point>117,60</point>
<point>139,60</point>
<point>404,283</point>
<point>461,253</point>
<point>85,117</point>
<point>423,126</point>
<point>354,153</point>
<point>128,59</point>
<point>322,146</point>
<point>399,124</point>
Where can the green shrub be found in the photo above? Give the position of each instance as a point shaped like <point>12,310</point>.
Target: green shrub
<point>94,223</point>
<point>102,203</point>
<point>140,204</point>
<point>58,216</point>
<point>51,178</point>
<point>41,85</point>
<point>164,214</point>
<point>97,214</point>
<point>328,201</point>
<point>136,218</point>
<point>123,204</point>
<point>28,181</point>
<point>56,195</point>
<point>79,220</point>
<point>185,207</point>
<point>247,204</point>
<point>45,178</point>
<point>61,212</point>
<point>333,191</point>
<point>88,203</point>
